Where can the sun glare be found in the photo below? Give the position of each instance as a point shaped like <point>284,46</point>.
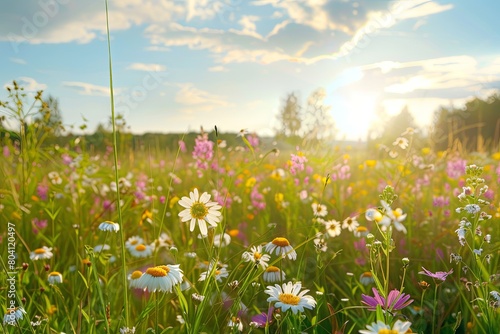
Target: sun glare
<point>361,112</point>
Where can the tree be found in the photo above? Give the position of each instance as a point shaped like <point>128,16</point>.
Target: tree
<point>51,114</point>
<point>290,119</point>
<point>318,124</point>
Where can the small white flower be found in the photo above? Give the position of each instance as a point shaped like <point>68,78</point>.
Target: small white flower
<point>13,315</point>
<point>219,274</point>
<point>273,274</point>
<point>402,142</point>
<point>109,226</point>
<point>160,278</point>
<point>319,210</point>
<point>43,253</point>
<point>290,297</point>
<point>127,330</point>
<point>256,256</point>
<point>282,247</point>
<point>333,228</point>
<point>141,250</point>
<point>222,240</point>
<point>350,223</point>
<point>55,278</point>
<point>199,209</point>
<point>399,327</point>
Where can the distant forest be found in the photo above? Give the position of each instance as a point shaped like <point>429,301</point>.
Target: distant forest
<point>474,127</point>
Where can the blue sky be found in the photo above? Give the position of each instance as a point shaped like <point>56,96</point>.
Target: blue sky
<point>179,65</point>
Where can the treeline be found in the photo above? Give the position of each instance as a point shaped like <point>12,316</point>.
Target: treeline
<point>474,127</point>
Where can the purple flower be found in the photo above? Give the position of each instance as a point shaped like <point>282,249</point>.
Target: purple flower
<point>440,275</point>
<point>262,319</point>
<point>396,300</point>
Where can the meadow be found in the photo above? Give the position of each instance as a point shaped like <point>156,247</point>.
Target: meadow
<point>218,238</point>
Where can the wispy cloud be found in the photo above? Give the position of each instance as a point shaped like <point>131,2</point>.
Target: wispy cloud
<point>29,84</point>
<point>197,99</point>
<point>18,61</point>
<point>146,67</point>
<point>217,69</point>
<point>84,88</point>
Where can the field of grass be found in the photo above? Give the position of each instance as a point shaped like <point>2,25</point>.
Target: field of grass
<point>355,228</point>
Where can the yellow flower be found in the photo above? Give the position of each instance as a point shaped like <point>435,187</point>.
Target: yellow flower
<point>371,163</point>
<point>173,201</point>
<point>250,182</point>
<point>426,150</point>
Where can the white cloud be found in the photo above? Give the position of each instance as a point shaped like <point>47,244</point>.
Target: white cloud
<point>197,99</point>
<point>229,46</point>
<point>146,67</point>
<point>437,73</point>
<point>217,69</point>
<point>84,88</point>
<point>35,22</point>
<point>18,61</point>
<point>277,28</point>
<point>203,9</point>
<point>29,84</point>
<point>422,8</point>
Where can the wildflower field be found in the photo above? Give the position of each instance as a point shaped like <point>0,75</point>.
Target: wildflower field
<point>218,238</point>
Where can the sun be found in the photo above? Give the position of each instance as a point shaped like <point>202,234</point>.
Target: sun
<point>355,114</point>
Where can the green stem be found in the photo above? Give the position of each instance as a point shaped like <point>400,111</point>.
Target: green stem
<point>115,161</point>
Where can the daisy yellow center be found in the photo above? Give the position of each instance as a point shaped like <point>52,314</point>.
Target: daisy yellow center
<point>156,272</point>
<point>199,210</point>
<point>281,242</point>
<point>289,299</point>
<point>140,248</point>
<point>272,269</point>
<point>136,274</point>
<point>54,273</point>
<point>367,274</point>
<point>349,221</point>
<point>257,256</point>
<point>133,242</point>
<point>39,251</point>
<point>387,331</point>
<point>397,213</point>
<point>167,269</point>
<point>217,272</point>
<point>362,229</point>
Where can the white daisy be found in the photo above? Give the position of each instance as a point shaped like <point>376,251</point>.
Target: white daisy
<point>199,210</point>
<point>127,330</point>
<point>255,255</point>
<point>55,178</point>
<point>160,278</point>
<point>109,226</point>
<point>333,228</point>
<point>236,323</point>
<point>134,278</point>
<point>289,297</point>
<point>222,240</point>
<point>319,210</point>
<point>133,241</point>
<point>350,223</point>
<point>55,278</point>
<point>401,142</point>
<point>400,327</point>
<point>141,250</point>
<point>273,274</point>
<point>13,315</point>
<point>218,274</point>
<point>282,247</point>
<point>43,253</point>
